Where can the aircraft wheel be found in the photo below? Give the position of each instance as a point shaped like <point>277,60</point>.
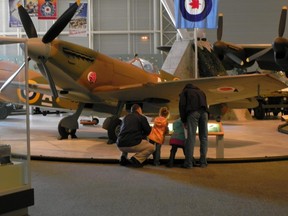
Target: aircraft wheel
<point>96,121</point>
<point>65,132</point>
<point>113,130</point>
<point>259,112</point>
<point>4,112</point>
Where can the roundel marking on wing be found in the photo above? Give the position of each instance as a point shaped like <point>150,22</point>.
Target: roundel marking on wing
<point>226,89</point>
<point>195,11</point>
<point>33,96</point>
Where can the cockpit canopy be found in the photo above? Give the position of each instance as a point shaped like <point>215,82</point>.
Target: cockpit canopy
<point>143,64</point>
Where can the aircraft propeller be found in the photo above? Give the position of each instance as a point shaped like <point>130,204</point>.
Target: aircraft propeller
<point>61,23</point>
<point>27,22</point>
<point>50,35</point>
<point>220,27</point>
<point>223,49</point>
<point>282,22</point>
<point>278,42</point>
<point>54,30</point>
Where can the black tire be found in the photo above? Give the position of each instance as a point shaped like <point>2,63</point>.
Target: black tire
<point>65,132</point>
<point>96,121</point>
<point>114,128</point>
<point>4,112</point>
<point>259,112</point>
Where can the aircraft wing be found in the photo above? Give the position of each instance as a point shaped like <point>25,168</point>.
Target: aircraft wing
<point>218,89</point>
<point>221,89</point>
<point>11,40</point>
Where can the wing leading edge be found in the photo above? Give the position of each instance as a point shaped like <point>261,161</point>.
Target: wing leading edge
<point>218,89</point>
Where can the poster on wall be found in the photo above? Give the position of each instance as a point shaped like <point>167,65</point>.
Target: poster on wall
<point>14,19</point>
<point>78,24</point>
<point>47,9</point>
<point>32,7</point>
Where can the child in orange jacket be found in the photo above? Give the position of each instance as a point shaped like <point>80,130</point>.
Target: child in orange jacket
<point>157,135</point>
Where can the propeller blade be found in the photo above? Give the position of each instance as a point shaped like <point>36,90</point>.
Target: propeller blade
<point>220,27</point>
<point>27,22</point>
<point>234,58</point>
<point>61,23</point>
<point>9,80</point>
<point>282,22</point>
<point>258,54</point>
<point>42,67</point>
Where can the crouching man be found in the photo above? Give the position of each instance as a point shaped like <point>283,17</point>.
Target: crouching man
<point>132,138</point>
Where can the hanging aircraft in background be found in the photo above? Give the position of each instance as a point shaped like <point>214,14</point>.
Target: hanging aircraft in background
<point>273,57</point>
<point>268,56</point>
<point>111,86</point>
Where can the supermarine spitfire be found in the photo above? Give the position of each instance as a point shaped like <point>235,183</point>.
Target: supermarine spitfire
<point>111,86</point>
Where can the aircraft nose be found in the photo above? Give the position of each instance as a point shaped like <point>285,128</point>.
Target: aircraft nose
<point>37,49</point>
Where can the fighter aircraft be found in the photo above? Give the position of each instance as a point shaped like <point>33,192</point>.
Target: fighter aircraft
<point>15,92</point>
<point>109,85</point>
<point>268,56</point>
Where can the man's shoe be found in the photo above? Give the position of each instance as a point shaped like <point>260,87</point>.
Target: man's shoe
<point>135,163</point>
<point>124,161</point>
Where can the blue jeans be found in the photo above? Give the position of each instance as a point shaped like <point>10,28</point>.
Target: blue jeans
<point>196,119</point>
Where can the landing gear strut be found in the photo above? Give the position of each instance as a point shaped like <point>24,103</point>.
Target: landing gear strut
<point>69,124</point>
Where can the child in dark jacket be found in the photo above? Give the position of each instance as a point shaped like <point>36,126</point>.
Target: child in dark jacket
<point>177,140</point>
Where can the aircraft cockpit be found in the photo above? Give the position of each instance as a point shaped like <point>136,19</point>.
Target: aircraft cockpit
<point>143,64</point>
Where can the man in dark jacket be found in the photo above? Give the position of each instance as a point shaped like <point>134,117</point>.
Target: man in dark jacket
<point>194,113</point>
<point>132,138</point>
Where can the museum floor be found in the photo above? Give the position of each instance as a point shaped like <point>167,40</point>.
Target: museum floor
<point>101,187</point>
<point>243,140</point>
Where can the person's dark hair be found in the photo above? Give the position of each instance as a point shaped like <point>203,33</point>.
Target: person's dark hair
<point>134,107</point>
